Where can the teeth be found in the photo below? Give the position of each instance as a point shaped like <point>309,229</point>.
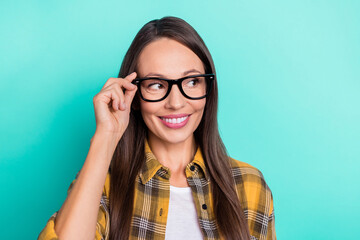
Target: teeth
<point>174,120</point>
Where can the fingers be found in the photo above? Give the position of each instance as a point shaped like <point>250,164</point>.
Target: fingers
<point>128,78</point>
<point>131,76</point>
<point>124,100</point>
<point>129,96</point>
<point>118,97</point>
<point>121,91</point>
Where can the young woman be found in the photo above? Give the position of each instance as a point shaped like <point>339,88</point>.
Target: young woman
<point>156,162</point>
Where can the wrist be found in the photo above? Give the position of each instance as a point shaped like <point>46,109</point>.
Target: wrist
<point>110,140</point>
<point>115,136</point>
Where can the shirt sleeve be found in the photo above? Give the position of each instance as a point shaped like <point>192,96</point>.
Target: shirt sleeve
<point>256,200</point>
<point>102,225</point>
<point>271,234</point>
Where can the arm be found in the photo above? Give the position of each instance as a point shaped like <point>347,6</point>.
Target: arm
<point>80,216</point>
<point>271,234</point>
<point>256,199</point>
<point>77,218</point>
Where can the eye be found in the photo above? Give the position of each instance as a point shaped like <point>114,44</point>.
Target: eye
<point>192,82</point>
<point>153,85</point>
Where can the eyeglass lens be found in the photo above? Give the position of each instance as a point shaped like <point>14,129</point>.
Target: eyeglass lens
<point>154,89</point>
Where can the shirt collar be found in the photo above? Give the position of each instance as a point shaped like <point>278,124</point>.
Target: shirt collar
<point>152,165</point>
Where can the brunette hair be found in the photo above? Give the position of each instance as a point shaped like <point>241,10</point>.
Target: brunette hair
<point>128,159</point>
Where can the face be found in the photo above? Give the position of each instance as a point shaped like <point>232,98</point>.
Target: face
<point>174,119</point>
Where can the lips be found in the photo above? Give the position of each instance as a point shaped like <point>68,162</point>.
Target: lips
<point>175,120</point>
<point>175,115</point>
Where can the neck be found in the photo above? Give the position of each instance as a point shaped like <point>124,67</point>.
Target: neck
<point>175,156</point>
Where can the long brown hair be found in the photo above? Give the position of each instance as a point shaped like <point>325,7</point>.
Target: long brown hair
<point>129,155</point>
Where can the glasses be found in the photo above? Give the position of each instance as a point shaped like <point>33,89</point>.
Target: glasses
<point>154,89</point>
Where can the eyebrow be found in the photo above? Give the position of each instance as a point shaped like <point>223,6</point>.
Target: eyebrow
<point>162,76</point>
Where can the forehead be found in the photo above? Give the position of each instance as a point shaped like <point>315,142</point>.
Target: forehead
<point>169,58</point>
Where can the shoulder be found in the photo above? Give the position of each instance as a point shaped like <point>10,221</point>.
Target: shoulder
<point>252,189</point>
<point>244,171</point>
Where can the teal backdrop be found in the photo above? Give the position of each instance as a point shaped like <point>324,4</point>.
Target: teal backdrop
<point>288,75</point>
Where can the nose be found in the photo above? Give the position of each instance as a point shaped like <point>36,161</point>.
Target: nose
<point>175,100</point>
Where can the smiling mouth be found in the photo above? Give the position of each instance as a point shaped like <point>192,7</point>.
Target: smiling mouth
<point>174,120</point>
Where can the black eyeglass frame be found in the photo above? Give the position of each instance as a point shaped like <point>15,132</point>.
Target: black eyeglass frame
<point>171,82</point>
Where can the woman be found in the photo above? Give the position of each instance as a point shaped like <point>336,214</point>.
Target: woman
<point>157,143</point>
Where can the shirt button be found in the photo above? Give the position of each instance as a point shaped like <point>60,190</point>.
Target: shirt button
<point>161,211</point>
<point>192,168</point>
<point>204,206</point>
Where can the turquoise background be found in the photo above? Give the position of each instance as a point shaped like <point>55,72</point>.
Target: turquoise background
<point>288,76</point>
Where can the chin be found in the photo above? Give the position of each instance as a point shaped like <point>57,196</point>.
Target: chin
<point>177,137</point>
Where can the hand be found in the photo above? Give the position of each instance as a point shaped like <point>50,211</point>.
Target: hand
<point>113,104</point>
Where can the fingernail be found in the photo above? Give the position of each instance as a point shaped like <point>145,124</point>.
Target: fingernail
<point>118,106</point>
<point>124,106</point>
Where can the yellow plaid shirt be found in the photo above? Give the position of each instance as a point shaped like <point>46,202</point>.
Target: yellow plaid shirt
<point>152,193</point>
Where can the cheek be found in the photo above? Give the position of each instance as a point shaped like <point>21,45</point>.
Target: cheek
<point>200,105</point>
<point>148,110</point>
<point>199,108</point>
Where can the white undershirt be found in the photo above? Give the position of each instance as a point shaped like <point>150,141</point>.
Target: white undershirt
<point>182,222</point>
